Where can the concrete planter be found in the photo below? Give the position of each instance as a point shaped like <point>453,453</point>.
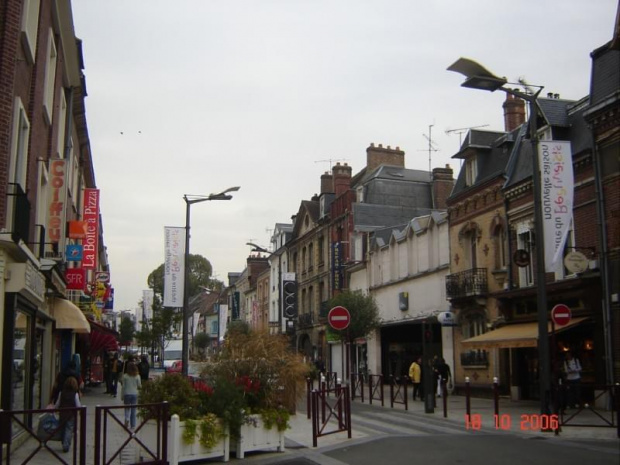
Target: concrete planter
<point>254,436</point>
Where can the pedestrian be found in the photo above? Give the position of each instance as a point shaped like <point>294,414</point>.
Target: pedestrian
<point>415,375</point>
<point>130,385</point>
<point>68,397</point>
<point>115,365</point>
<point>70,371</point>
<point>572,368</point>
<point>107,360</point>
<point>143,368</point>
<point>444,375</point>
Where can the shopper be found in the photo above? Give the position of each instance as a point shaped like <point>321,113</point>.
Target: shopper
<point>130,386</point>
<point>143,368</point>
<point>67,398</point>
<point>572,368</point>
<point>415,375</point>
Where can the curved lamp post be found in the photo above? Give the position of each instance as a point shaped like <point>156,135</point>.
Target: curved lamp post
<point>190,200</point>
<point>478,77</point>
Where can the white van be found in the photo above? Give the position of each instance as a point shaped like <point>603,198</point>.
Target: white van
<point>173,351</point>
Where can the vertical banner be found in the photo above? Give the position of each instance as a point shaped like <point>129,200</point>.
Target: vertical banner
<point>91,241</point>
<point>337,265</point>
<point>56,224</point>
<point>557,184</point>
<point>174,266</point>
<point>148,296</point>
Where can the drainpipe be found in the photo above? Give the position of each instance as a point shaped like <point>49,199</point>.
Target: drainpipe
<point>604,265</point>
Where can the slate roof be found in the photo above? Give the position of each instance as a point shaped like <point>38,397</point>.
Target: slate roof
<point>555,111</point>
<point>492,154</point>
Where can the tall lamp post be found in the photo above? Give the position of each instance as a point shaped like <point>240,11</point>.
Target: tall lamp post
<point>478,77</point>
<point>189,201</point>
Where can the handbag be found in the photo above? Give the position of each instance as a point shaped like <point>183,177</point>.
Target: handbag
<point>49,427</point>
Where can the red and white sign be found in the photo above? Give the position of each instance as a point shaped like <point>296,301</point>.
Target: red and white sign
<point>56,205</point>
<point>76,279</point>
<point>91,241</point>
<point>561,314</point>
<point>339,318</point>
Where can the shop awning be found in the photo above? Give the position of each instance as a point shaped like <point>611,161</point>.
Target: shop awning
<point>69,316</point>
<point>515,336</point>
<point>102,338</point>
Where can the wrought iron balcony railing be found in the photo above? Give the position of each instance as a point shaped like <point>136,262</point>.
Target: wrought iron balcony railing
<point>475,358</point>
<point>469,283</point>
<point>305,320</point>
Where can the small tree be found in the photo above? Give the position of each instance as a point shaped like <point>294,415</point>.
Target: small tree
<point>126,331</point>
<point>202,341</point>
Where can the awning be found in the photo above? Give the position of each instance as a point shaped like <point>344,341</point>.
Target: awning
<point>515,335</point>
<point>102,338</point>
<point>69,316</point>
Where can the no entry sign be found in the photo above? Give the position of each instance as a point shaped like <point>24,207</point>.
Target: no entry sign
<point>560,314</point>
<point>339,318</point>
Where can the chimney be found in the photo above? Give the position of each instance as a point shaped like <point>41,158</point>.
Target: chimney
<point>514,112</point>
<point>327,183</point>
<point>443,182</point>
<point>342,178</point>
<point>377,156</point>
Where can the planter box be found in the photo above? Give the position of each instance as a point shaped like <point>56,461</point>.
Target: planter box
<point>179,451</point>
<point>255,436</point>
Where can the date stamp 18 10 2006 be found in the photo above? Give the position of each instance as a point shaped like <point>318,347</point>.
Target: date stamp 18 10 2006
<point>505,422</point>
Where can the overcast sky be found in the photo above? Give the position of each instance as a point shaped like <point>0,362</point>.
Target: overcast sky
<point>193,97</point>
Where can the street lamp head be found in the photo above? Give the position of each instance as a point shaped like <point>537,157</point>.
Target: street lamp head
<point>257,248</point>
<point>191,198</point>
<point>477,76</point>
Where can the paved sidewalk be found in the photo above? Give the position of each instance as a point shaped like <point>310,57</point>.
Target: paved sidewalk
<point>517,417</point>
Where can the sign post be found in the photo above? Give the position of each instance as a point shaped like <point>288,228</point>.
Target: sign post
<point>339,319</point>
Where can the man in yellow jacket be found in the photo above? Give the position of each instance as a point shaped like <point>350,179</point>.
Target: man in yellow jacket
<point>415,374</point>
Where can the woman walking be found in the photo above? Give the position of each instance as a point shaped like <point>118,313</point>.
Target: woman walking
<point>68,397</point>
<point>130,385</point>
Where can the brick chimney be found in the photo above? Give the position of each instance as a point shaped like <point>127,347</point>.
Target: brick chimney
<point>342,178</point>
<point>377,156</point>
<point>327,183</point>
<point>514,112</point>
<point>443,182</point>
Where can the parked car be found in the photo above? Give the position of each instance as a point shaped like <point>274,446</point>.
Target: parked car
<point>176,367</point>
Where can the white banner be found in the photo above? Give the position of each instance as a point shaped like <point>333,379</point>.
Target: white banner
<point>174,268</point>
<point>557,185</point>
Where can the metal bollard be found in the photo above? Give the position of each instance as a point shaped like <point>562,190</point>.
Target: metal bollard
<point>444,397</point>
<point>496,395</point>
<point>467,397</point>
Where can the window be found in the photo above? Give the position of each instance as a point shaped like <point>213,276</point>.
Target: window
<point>30,28</point>
<point>19,156</point>
<point>501,243</point>
<point>321,250</point>
<point>524,242</point>
<point>471,171</point>
<point>62,124</point>
<point>310,256</point>
<point>214,327</point>
<point>474,324</point>
<point>50,78</point>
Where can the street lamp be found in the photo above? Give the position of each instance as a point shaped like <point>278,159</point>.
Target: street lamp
<point>258,248</point>
<point>190,200</point>
<point>478,77</point>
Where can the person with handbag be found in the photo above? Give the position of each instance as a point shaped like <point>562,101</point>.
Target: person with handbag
<point>130,385</point>
<point>68,397</point>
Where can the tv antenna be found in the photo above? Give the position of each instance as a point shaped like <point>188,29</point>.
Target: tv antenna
<point>461,131</point>
<point>331,161</point>
<point>431,148</point>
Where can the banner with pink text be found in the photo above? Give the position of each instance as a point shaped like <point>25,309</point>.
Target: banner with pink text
<point>557,185</point>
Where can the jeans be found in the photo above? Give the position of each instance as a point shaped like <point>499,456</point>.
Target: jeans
<point>130,413</point>
<point>67,434</point>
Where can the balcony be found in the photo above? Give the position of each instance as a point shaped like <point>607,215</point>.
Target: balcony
<point>475,358</point>
<point>469,283</point>
<point>306,320</point>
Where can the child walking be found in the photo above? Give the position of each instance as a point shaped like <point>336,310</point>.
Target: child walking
<point>68,397</point>
<point>131,384</point>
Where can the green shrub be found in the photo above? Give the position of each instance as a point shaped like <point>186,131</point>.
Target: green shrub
<point>182,398</point>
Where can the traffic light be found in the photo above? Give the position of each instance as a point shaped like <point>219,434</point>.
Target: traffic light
<point>289,298</point>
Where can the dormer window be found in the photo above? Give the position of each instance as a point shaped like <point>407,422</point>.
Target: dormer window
<point>471,171</point>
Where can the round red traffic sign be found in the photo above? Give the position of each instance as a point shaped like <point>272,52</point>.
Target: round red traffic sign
<point>339,318</point>
<point>561,314</point>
